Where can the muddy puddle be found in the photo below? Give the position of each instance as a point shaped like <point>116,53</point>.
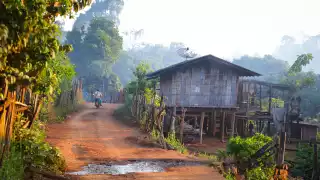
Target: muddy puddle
<point>132,167</point>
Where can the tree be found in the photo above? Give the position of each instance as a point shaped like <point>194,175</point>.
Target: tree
<point>158,56</point>
<point>271,68</point>
<point>23,26</point>
<point>289,49</point>
<point>296,78</point>
<point>29,47</point>
<point>96,49</point>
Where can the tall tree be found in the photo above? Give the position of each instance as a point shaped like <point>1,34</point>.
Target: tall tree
<point>96,49</point>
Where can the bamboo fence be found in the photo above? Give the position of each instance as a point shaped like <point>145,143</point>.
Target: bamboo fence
<point>21,100</point>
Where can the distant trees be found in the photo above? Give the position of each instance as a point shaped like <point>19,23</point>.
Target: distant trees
<point>157,56</point>
<point>96,49</point>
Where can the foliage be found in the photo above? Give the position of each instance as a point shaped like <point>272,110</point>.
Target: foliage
<point>302,60</point>
<point>96,49</point>
<point>271,68</point>
<point>35,150</point>
<point>158,56</point>
<point>274,101</point>
<point>300,80</point>
<point>140,84</point>
<point>290,47</point>
<point>25,25</point>
<point>242,148</point>
<point>13,166</point>
<point>303,161</point>
<point>176,144</point>
<point>57,73</point>
<point>155,134</point>
<point>149,94</point>
<point>260,173</point>
<point>208,156</point>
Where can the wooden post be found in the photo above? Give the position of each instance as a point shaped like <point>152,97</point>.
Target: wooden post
<point>260,98</point>
<point>173,120</point>
<point>282,148</point>
<point>210,123</point>
<point>182,124</point>
<point>270,98</point>
<point>222,125</point>
<point>196,122</point>
<point>214,119</point>
<point>161,133</point>
<point>232,123</point>
<point>205,125</point>
<point>201,126</point>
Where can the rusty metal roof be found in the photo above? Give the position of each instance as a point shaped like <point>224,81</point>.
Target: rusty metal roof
<point>209,58</point>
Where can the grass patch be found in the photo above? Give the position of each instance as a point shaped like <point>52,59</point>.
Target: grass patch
<point>208,156</point>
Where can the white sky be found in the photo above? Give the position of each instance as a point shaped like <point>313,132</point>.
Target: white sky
<point>224,28</point>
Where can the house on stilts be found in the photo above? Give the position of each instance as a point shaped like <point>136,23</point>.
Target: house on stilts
<point>208,88</point>
<point>221,98</point>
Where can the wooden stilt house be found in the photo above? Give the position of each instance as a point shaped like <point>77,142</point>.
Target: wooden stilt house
<point>208,88</point>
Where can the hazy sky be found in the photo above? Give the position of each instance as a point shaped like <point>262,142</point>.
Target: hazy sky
<point>224,28</point>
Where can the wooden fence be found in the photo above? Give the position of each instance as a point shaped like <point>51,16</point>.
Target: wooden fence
<point>21,100</point>
<point>156,117</point>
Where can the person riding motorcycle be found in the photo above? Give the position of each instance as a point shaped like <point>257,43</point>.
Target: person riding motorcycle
<point>97,97</point>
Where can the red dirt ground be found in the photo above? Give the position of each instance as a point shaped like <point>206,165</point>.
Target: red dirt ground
<point>93,136</point>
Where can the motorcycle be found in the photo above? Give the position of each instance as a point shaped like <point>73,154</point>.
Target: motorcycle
<point>98,103</point>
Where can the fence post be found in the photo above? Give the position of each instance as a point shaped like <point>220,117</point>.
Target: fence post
<point>282,148</point>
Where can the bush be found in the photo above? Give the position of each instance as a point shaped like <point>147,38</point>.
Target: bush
<point>36,152</point>
<point>13,166</point>
<point>242,148</point>
<point>303,161</point>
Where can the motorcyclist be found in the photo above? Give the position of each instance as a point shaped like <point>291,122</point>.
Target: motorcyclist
<point>97,96</point>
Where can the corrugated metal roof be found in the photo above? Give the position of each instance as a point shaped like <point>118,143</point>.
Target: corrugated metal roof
<point>265,83</point>
<point>210,58</point>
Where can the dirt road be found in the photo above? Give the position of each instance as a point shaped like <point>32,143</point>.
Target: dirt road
<point>95,136</point>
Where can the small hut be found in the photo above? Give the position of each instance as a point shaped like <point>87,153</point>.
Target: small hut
<point>207,87</point>
<point>304,131</point>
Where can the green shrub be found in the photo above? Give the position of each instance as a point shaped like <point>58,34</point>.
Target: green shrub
<point>35,150</point>
<point>13,166</point>
<point>303,161</point>
<point>242,148</point>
